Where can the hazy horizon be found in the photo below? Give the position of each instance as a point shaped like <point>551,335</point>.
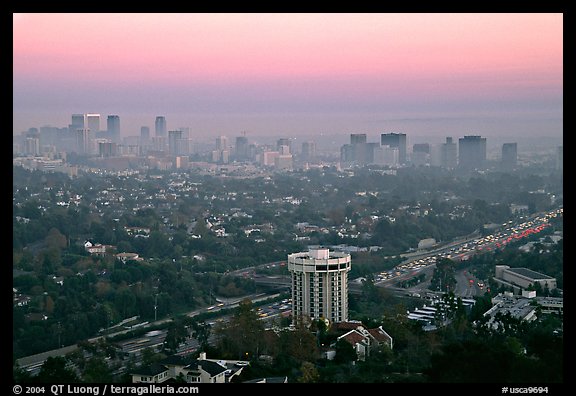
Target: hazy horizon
<point>293,74</point>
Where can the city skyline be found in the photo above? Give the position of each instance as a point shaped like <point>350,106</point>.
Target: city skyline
<point>293,74</point>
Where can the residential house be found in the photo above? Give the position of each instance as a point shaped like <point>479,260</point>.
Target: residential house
<point>192,370</point>
<point>152,374</point>
<point>128,256</point>
<point>363,340</point>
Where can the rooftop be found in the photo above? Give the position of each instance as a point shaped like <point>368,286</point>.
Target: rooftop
<point>529,273</point>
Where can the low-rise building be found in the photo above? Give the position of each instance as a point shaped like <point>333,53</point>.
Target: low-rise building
<point>524,307</point>
<point>363,340</point>
<point>192,370</point>
<point>152,374</point>
<point>522,278</point>
<point>128,257</point>
<point>426,243</point>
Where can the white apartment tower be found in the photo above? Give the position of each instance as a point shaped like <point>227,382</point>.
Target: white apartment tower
<point>320,284</point>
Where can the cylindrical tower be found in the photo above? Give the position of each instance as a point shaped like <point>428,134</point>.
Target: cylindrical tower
<point>320,284</point>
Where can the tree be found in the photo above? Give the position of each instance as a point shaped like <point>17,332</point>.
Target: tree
<point>149,356</point>
<point>176,335</point>
<point>443,278</point>
<point>54,370</point>
<point>201,331</point>
<point>309,373</point>
<point>97,371</point>
<point>300,344</point>
<point>55,239</point>
<point>243,335</point>
<point>345,352</point>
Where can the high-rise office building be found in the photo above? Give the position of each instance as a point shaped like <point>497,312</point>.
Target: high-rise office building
<point>77,122</point>
<point>159,143</point>
<point>175,142</point>
<point>160,126</point>
<point>358,152</point>
<point>472,152</point>
<point>386,155</point>
<point>421,148</point>
<point>268,158</point>
<point>449,154</point>
<point>222,143</point>
<point>32,145</point>
<point>84,141</point>
<point>445,154</point>
<point>357,138</point>
<point>420,154</point>
<point>221,154</point>
<point>93,123</point>
<point>308,151</point>
<point>283,161</point>
<point>107,149</point>
<point>50,136</point>
<point>113,128</point>
<point>397,140</point>
<point>145,133</point>
<point>319,281</point>
<point>144,139</point>
<point>284,142</point>
<point>241,148</point>
<point>284,150</point>
<point>509,156</point>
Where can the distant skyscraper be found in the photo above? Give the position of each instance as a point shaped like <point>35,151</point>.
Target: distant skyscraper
<point>159,143</point>
<point>320,284</point>
<point>50,136</point>
<point>509,156</point>
<point>77,122</point>
<point>386,155</point>
<point>308,151</point>
<point>358,152</point>
<point>449,154</point>
<point>185,132</point>
<point>472,152</point>
<point>421,148</point>
<point>160,126</point>
<point>221,143</point>
<point>84,141</point>
<point>420,154</point>
<point>32,144</point>
<point>107,149</point>
<point>284,150</point>
<point>357,138</point>
<point>145,133</point>
<point>268,158</point>
<point>241,148</point>
<point>113,127</point>
<point>144,139</point>
<point>93,123</point>
<point>395,140</point>
<point>175,142</point>
<point>284,142</point>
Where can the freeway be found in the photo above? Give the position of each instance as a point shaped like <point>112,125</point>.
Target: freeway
<point>464,249</point>
<point>417,262</point>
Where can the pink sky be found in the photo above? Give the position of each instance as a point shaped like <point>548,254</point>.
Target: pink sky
<point>374,66</point>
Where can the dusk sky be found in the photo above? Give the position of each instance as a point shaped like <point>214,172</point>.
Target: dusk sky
<point>293,74</point>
